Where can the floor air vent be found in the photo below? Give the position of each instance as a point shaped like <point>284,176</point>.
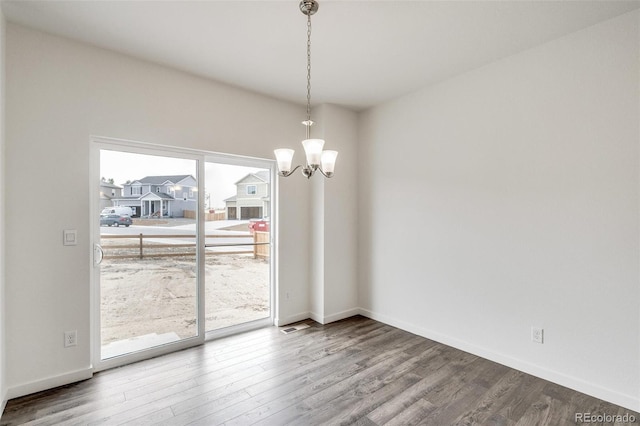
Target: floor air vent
<point>294,328</point>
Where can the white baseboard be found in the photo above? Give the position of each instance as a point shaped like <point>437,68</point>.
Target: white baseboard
<point>316,317</point>
<point>279,322</point>
<point>3,404</point>
<point>49,383</point>
<point>632,402</point>
<point>326,319</point>
<point>341,315</point>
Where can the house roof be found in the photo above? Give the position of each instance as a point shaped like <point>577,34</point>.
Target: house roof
<point>161,195</point>
<point>262,175</point>
<point>160,180</point>
<point>109,185</point>
<point>233,198</point>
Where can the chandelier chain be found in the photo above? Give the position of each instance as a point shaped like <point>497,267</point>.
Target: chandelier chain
<point>309,67</point>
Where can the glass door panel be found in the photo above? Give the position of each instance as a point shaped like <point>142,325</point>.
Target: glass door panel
<point>148,278</point>
<point>237,245</point>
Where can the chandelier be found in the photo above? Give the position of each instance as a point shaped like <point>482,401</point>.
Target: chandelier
<point>316,158</point>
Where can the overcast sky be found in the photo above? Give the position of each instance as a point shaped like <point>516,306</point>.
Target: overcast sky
<point>219,178</point>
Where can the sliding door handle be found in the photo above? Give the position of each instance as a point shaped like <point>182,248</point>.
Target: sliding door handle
<point>98,254</point>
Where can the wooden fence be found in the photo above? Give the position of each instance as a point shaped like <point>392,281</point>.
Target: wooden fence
<point>261,247</point>
<point>208,217</point>
<point>140,246</point>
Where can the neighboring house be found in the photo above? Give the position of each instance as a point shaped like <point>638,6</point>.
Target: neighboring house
<point>108,192</point>
<point>158,196</point>
<point>252,197</point>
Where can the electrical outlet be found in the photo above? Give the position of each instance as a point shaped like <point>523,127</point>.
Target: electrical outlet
<point>537,334</point>
<point>70,338</point>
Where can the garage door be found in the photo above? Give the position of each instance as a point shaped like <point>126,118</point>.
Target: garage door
<point>231,213</point>
<point>250,212</point>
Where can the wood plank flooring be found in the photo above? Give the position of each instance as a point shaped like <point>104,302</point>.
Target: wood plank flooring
<point>356,371</point>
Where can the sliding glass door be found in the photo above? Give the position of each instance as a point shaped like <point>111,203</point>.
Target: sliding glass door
<point>182,248</point>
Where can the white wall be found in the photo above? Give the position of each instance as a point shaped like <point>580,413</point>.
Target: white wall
<point>3,368</point>
<point>316,249</point>
<point>507,198</point>
<point>60,92</point>
<point>333,246</point>
<point>340,130</point>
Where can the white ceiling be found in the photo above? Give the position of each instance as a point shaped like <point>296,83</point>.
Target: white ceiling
<point>363,52</point>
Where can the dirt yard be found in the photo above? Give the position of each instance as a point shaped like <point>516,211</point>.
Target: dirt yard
<point>158,295</point>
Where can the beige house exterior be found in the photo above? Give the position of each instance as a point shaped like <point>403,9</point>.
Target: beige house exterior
<point>252,200</point>
<point>108,193</point>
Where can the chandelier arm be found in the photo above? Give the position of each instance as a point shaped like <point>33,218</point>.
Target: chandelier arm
<point>327,175</point>
<point>287,174</point>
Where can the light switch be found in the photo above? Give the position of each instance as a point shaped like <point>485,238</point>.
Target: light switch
<point>70,237</point>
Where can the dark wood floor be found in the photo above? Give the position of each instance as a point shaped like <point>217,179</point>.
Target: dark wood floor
<point>356,371</point>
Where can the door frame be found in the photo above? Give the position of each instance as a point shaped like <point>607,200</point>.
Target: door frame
<point>201,157</point>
